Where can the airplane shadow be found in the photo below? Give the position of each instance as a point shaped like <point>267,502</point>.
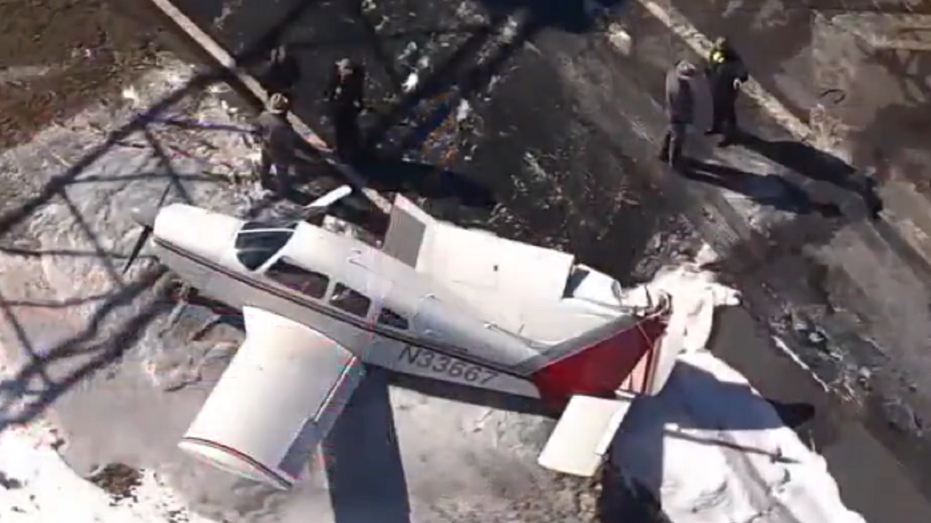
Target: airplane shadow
<point>362,458</point>
<point>670,416</point>
<point>472,395</point>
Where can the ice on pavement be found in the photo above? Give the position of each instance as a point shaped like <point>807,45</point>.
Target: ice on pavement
<point>708,446</point>
<point>36,486</point>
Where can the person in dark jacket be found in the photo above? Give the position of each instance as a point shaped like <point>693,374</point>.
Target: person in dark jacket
<point>680,111</point>
<point>281,72</point>
<point>279,143</point>
<point>345,99</point>
<point>726,72</point>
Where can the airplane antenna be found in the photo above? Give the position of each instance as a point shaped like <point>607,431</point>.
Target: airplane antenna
<point>146,220</point>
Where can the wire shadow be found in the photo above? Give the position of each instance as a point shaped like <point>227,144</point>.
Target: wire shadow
<point>432,85</point>
<point>57,183</point>
<point>574,16</point>
<point>468,82</point>
<point>363,460</point>
<point>770,190</point>
<point>395,175</point>
<point>692,399</point>
<point>99,355</point>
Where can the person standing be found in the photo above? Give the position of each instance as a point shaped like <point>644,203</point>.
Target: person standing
<point>281,73</point>
<point>279,143</point>
<point>726,73</point>
<point>345,99</point>
<point>680,111</point>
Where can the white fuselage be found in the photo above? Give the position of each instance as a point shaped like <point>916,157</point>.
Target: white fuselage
<point>445,337</point>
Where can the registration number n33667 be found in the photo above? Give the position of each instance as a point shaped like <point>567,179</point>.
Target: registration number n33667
<point>442,364</point>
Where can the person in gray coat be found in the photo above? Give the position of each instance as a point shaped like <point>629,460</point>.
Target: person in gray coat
<point>680,111</point>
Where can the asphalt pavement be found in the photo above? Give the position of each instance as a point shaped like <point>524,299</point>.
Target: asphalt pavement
<point>534,103</point>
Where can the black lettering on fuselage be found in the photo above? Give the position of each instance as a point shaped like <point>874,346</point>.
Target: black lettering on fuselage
<point>410,353</point>
<point>438,363</point>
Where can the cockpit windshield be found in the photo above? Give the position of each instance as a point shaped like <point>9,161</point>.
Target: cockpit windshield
<point>258,241</point>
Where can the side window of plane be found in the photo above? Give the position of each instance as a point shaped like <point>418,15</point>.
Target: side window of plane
<point>313,284</point>
<point>392,319</point>
<point>350,300</point>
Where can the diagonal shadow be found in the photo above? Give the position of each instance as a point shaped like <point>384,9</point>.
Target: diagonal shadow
<point>410,34</point>
<point>770,190</point>
<point>165,162</point>
<point>103,354</point>
<point>378,49</point>
<point>251,53</point>
<point>694,399</point>
<point>469,82</point>
<point>434,84</point>
<point>117,344</point>
<point>426,180</point>
<point>363,460</point>
<point>200,177</point>
<point>35,253</point>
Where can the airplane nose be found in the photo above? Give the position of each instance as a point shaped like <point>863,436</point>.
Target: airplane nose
<point>144,217</point>
<point>198,231</point>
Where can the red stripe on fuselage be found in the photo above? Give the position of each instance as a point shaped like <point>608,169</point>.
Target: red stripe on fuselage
<point>598,370</point>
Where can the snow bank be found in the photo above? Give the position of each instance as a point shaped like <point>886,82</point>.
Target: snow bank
<point>36,486</point>
<point>709,447</point>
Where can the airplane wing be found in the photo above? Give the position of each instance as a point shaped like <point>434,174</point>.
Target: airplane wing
<point>278,399</point>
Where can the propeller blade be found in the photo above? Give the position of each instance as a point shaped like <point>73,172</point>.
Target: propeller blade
<point>147,220</point>
<point>137,248</point>
<point>330,198</point>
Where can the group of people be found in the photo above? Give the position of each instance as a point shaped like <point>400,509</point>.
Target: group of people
<point>280,75</point>
<point>726,72</point>
<point>344,94</point>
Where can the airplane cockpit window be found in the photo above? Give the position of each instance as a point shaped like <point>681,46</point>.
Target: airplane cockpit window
<point>310,283</point>
<point>258,241</point>
<point>350,300</point>
<point>390,318</point>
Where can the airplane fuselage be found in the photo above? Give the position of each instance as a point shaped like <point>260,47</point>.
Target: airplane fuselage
<point>376,345</point>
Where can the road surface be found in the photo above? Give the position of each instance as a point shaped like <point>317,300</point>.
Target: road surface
<point>562,126</point>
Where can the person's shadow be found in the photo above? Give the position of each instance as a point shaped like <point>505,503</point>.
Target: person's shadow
<point>770,190</point>
<point>817,165</point>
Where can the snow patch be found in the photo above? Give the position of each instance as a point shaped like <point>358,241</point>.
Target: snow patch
<point>36,485</point>
<point>709,447</point>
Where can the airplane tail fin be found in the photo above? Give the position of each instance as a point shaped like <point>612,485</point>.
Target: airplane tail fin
<point>599,380</point>
<point>627,354</point>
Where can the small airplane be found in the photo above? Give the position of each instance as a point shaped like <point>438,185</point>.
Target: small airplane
<point>429,299</point>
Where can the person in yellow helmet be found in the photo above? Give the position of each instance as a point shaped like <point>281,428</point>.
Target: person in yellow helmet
<point>726,73</point>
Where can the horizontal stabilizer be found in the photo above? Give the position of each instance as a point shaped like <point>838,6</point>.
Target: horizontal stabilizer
<point>583,434</point>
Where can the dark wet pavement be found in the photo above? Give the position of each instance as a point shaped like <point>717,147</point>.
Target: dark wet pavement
<point>562,129</point>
